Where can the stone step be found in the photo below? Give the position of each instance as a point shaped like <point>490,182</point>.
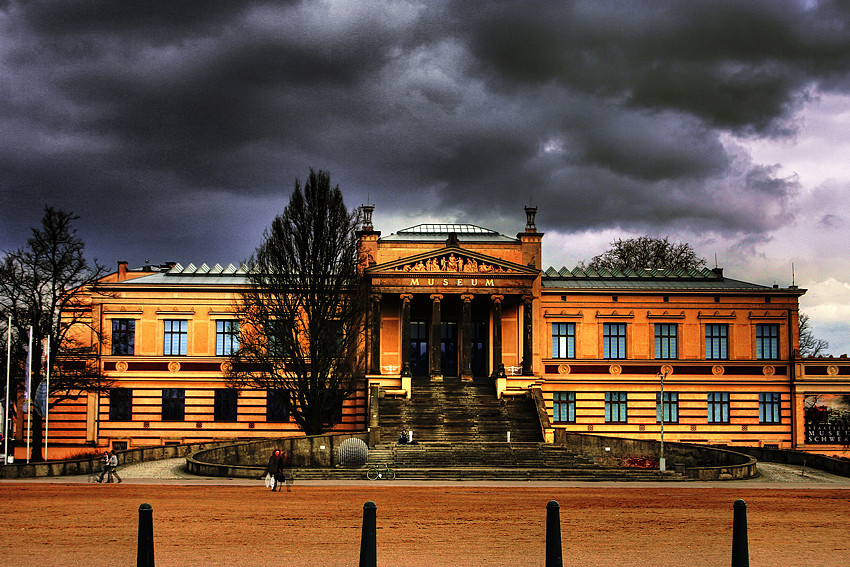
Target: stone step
<point>492,473</point>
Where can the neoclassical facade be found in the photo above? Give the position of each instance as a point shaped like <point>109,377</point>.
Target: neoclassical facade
<point>457,302</point>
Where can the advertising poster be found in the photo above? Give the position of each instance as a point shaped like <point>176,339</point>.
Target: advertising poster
<point>827,419</point>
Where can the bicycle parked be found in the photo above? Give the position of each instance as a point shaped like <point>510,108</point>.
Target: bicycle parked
<point>380,472</point>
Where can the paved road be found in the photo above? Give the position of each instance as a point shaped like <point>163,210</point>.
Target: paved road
<point>772,475</point>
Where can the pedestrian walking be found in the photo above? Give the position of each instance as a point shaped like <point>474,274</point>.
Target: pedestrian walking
<point>105,460</point>
<point>113,466</point>
<point>274,470</point>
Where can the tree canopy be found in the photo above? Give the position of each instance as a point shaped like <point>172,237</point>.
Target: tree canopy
<point>303,314</point>
<point>645,252</point>
<point>44,285</point>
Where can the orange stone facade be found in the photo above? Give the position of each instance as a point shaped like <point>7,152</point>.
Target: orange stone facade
<point>460,301</point>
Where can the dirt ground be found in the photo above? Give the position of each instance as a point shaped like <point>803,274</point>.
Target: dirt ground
<point>92,525</point>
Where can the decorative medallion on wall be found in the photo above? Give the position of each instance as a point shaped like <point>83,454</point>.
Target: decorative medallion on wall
<point>590,428</point>
<point>832,370</point>
<point>768,370</point>
<point>564,369</point>
<point>121,366</point>
<point>199,424</point>
<point>641,427</point>
<point>693,428</point>
<point>615,369</point>
<point>226,367</point>
<point>667,370</point>
<point>717,370</point>
<point>174,366</point>
<point>743,428</point>
<point>146,425</point>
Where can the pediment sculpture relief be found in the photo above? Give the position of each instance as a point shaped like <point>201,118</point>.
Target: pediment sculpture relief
<point>452,263</point>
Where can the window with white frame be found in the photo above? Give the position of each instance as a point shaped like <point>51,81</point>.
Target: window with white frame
<point>226,337</point>
<point>563,340</point>
<point>175,337</point>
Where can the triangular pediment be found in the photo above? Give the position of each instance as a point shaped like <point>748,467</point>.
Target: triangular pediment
<point>452,260</point>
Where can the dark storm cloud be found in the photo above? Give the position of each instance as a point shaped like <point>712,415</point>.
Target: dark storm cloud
<point>175,128</point>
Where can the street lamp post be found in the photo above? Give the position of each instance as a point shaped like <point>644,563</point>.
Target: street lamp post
<point>662,463</point>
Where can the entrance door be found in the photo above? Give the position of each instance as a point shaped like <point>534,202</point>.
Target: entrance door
<point>419,348</point>
<point>448,348</point>
<point>479,348</point>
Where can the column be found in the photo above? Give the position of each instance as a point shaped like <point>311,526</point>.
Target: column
<point>375,334</point>
<point>527,336</point>
<point>405,333</point>
<point>498,367</point>
<point>436,338</point>
<point>466,337</point>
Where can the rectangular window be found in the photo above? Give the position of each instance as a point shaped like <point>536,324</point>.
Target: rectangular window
<point>173,404</point>
<point>615,407</point>
<point>226,337</point>
<point>563,340</point>
<point>175,337</point>
<point>671,407</point>
<point>718,407</point>
<point>614,340</point>
<point>564,407</point>
<point>120,404</point>
<point>770,408</point>
<point>277,337</point>
<point>276,408</point>
<point>123,336</point>
<point>665,340</point>
<point>767,341</point>
<point>225,404</point>
<point>717,341</point>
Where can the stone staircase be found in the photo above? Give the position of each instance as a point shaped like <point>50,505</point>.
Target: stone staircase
<point>455,411</point>
<point>492,461</point>
<point>460,433</point>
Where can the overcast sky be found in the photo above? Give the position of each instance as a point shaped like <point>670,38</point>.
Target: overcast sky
<point>175,130</point>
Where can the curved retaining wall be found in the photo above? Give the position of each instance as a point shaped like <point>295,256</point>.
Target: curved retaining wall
<point>94,463</point>
<point>248,459</point>
<point>699,462</point>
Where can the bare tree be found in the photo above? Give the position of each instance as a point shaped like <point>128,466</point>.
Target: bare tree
<point>645,252</point>
<point>809,345</point>
<point>44,286</point>
<point>303,315</point>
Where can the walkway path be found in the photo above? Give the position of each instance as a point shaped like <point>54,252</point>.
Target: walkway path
<point>173,471</point>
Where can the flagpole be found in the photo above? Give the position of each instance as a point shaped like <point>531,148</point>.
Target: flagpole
<point>6,414</point>
<point>47,400</point>
<point>28,396</point>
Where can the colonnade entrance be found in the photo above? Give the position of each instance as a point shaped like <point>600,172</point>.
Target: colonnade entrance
<point>443,334</point>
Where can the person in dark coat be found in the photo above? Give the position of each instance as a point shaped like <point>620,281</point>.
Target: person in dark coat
<point>275,468</point>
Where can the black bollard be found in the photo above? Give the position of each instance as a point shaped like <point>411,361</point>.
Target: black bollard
<point>144,557</point>
<point>554,557</point>
<point>368,539</point>
<point>740,547</point>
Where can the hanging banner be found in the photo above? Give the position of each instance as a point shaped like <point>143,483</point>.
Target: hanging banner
<point>827,419</point>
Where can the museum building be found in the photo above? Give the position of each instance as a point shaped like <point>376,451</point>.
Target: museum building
<point>461,302</point>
